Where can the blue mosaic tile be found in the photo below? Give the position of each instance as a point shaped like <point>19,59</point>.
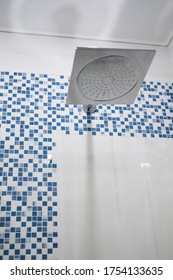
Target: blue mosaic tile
<point>152,101</point>
<point>32,107</point>
<point>28,191</point>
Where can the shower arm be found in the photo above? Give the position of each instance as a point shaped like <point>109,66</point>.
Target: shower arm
<point>89,108</point>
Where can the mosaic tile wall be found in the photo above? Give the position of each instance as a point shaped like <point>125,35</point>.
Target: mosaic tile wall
<point>32,107</point>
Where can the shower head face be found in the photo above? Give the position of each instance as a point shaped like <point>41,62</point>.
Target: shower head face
<point>107,76</point>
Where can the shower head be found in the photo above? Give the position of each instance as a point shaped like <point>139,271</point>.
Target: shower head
<point>107,76</point>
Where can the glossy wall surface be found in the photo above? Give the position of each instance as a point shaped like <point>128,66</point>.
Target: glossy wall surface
<point>75,186</point>
<point>116,198</point>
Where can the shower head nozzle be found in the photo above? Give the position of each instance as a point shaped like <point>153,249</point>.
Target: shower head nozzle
<point>107,76</point>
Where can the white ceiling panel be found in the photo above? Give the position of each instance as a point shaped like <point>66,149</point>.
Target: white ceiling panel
<point>136,21</point>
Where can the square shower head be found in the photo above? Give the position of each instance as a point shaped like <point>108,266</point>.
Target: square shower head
<point>107,76</point>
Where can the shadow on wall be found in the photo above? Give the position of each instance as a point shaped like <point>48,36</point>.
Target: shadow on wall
<point>66,17</point>
<point>135,13</point>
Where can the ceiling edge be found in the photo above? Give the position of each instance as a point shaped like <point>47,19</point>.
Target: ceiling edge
<point>64,35</point>
<point>170,40</point>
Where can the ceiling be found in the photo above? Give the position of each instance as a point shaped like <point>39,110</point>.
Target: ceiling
<point>134,21</point>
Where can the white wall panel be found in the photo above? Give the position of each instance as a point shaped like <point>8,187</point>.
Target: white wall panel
<point>115,197</point>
